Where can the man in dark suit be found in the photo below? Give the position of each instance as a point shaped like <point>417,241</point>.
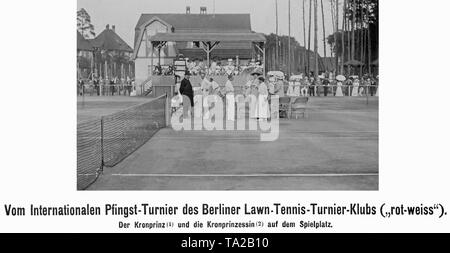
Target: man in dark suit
<point>186,91</point>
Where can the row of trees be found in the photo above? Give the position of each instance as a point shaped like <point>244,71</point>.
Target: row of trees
<point>354,40</point>
<point>357,40</point>
<point>289,56</point>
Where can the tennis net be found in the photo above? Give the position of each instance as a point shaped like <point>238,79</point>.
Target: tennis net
<point>107,141</point>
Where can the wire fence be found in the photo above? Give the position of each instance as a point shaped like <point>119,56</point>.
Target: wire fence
<point>109,140</point>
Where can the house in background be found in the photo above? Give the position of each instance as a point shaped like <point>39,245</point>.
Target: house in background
<point>147,56</point>
<point>85,57</point>
<point>113,56</point>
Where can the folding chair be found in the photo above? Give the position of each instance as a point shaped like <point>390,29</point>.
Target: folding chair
<point>299,106</point>
<point>284,107</point>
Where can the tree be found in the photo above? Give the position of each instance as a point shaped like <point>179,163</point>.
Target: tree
<point>289,40</point>
<point>316,60</point>
<point>84,25</point>
<point>365,15</point>
<point>335,31</point>
<point>323,30</point>
<point>309,36</point>
<point>276,39</point>
<point>304,38</point>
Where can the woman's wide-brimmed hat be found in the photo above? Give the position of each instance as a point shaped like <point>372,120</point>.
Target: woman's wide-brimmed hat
<point>256,72</point>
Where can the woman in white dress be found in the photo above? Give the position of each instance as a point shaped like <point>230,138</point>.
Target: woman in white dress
<point>377,86</point>
<point>253,99</point>
<point>248,85</point>
<point>263,104</point>
<point>304,89</point>
<point>229,95</point>
<point>206,90</point>
<point>339,89</point>
<point>362,88</point>
<point>290,91</point>
<point>355,88</point>
<point>297,88</point>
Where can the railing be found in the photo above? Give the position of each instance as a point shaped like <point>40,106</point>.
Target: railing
<point>105,90</point>
<point>319,90</point>
<point>145,85</point>
<point>347,90</point>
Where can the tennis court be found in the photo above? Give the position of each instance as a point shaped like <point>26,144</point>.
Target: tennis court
<point>334,148</point>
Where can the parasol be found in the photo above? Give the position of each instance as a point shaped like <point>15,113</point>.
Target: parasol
<point>277,74</point>
<point>296,78</point>
<point>340,78</point>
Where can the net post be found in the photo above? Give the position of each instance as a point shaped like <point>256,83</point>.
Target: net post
<point>367,95</point>
<point>102,163</point>
<point>167,110</point>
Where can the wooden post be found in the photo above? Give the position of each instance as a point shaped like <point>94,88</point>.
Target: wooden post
<point>92,65</point>
<point>264,58</point>
<point>207,57</point>
<point>159,55</point>
<point>106,69</point>
<point>167,110</point>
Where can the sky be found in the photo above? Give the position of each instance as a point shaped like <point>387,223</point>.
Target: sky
<point>124,14</point>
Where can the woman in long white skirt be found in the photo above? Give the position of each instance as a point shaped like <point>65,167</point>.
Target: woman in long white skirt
<point>253,101</point>
<point>297,89</point>
<point>290,91</point>
<point>377,87</point>
<point>206,90</point>
<point>339,90</point>
<point>229,95</point>
<point>355,88</point>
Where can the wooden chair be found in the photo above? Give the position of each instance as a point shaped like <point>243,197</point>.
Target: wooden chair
<point>299,106</point>
<point>284,107</point>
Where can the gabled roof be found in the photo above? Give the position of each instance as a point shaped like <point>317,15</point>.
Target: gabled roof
<point>198,22</point>
<point>202,22</point>
<point>109,40</point>
<point>83,44</point>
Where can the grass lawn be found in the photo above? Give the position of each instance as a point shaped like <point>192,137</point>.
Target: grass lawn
<point>334,148</point>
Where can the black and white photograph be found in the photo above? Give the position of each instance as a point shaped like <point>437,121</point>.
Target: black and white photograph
<point>227,95</point>
<point>216,125</point>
